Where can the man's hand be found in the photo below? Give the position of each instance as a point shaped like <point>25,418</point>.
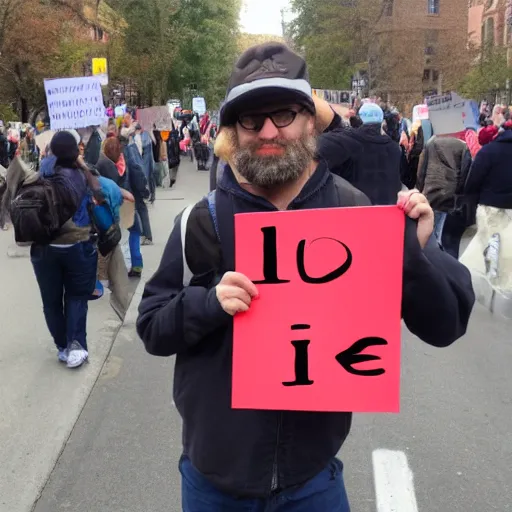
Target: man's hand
<point>80,162</point>
<point>235,293</point>
<point>416,206</point>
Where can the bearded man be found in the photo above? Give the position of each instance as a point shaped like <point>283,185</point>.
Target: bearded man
<point>240,460</point>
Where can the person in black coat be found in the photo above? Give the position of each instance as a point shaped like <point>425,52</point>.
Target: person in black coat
<point>341,152</point>
<point>490,180</point>
<point>376,159</point>
<point>4,156</point>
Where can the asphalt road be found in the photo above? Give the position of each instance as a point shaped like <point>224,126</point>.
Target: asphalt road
<point>449,450</point>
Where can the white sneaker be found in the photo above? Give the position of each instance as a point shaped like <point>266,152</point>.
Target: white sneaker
<point>77,356</point>
<point>63,355</point>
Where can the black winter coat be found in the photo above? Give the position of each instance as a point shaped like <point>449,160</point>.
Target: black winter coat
<point>490,177</point>
<point>376,166</point>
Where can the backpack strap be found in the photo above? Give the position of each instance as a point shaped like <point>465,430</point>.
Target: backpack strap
<point>212,207</point>
<point>187,273</point>
<point>211,198</point>
<point>225,214</point>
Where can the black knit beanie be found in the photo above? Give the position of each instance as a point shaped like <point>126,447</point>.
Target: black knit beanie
<point>65,148</point>
<point>270,71</point>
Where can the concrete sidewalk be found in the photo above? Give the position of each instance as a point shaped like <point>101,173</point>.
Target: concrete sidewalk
<point>40,399</point>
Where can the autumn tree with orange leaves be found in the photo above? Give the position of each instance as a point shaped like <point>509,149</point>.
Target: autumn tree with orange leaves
<point>31,38</point>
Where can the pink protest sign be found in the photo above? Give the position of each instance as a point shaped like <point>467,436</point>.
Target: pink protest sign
<point>324,334</point>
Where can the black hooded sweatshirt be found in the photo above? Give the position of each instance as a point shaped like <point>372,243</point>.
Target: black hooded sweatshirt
<point>253,453</point>
<point>377,166</point>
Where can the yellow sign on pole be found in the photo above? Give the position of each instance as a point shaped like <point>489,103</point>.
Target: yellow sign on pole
<point>100,70</point>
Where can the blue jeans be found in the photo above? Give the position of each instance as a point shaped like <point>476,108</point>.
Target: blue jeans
<point>134,243</point>
<point>66,277</point>
<point>323,493</point>
<point>439,220</point>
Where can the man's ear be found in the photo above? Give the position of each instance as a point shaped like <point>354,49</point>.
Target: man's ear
<point>312,126</point>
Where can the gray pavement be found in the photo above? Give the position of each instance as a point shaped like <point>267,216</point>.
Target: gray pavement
<point>40,400</point>
<point>454,429</point>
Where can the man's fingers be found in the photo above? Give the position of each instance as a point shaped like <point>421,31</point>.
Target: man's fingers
<point>234,306</point>
<point>240,280</point>
<point>410,197</point>
<point>418,210</point>
<point>233,292</point>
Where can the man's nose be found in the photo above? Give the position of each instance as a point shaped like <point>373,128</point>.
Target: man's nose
<point>268,130</point>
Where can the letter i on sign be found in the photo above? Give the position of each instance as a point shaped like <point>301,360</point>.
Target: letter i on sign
<point>301,359</point>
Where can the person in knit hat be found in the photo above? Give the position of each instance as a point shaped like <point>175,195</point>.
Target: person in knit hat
<point>284,461</point>
<point>65,269</point>
<point>379,162</point>
<point>487,134</point>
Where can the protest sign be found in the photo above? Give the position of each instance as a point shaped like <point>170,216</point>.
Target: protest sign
<point>419,113</point>
<point>449,114</point>
<point>199,105</point>
<point>155,118</point>
<point>100,70</point>
<point>74,102</point>
<point>324,333</point>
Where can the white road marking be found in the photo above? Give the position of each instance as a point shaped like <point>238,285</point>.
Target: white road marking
<point>394,486</point>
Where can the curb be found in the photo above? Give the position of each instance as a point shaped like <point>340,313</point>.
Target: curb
<point>127,324</point>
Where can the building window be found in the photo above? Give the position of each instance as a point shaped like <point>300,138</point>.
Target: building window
<point>433,6</point>
<point>489,31</point>
<point>426,75</point>
<point>431,40</point>
<point>388,8</point>
<point>435,75</point>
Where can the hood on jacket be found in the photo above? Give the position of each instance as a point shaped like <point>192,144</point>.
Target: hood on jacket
<point>371,133</point>
<point>448,151</point>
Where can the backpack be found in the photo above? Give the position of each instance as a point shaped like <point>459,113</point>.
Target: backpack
<point>34,213</point>
<point>227,239</point>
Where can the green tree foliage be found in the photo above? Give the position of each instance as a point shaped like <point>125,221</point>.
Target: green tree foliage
<point>335,37</point>
<point>488,75</point>
<point>208,32</point>
<point>171,45</point>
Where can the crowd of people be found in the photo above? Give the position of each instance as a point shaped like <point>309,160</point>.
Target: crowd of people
<point>463,175</point>
<point>102,180</point>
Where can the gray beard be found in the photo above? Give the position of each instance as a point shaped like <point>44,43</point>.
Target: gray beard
<point>273,171</point>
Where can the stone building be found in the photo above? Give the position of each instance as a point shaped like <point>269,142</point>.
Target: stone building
<point>419,47</point>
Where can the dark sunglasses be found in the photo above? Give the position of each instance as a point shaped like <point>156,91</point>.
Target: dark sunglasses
<point>280,118</point>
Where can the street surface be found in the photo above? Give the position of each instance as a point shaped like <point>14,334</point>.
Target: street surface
<point>449,450</point>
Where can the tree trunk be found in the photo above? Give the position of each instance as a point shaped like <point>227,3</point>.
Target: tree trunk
<point>24,110</point>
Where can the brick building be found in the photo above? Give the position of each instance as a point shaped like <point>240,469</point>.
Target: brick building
<point>418,48</point>
<point>489,22</point>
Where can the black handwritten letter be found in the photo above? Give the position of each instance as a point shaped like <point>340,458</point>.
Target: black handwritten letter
<point>348,358</point>
<point>301,359</point>
<point>270,257</point>
<point>327,278</point>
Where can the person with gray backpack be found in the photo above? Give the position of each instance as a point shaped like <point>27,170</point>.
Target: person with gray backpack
<point>235,460</point>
